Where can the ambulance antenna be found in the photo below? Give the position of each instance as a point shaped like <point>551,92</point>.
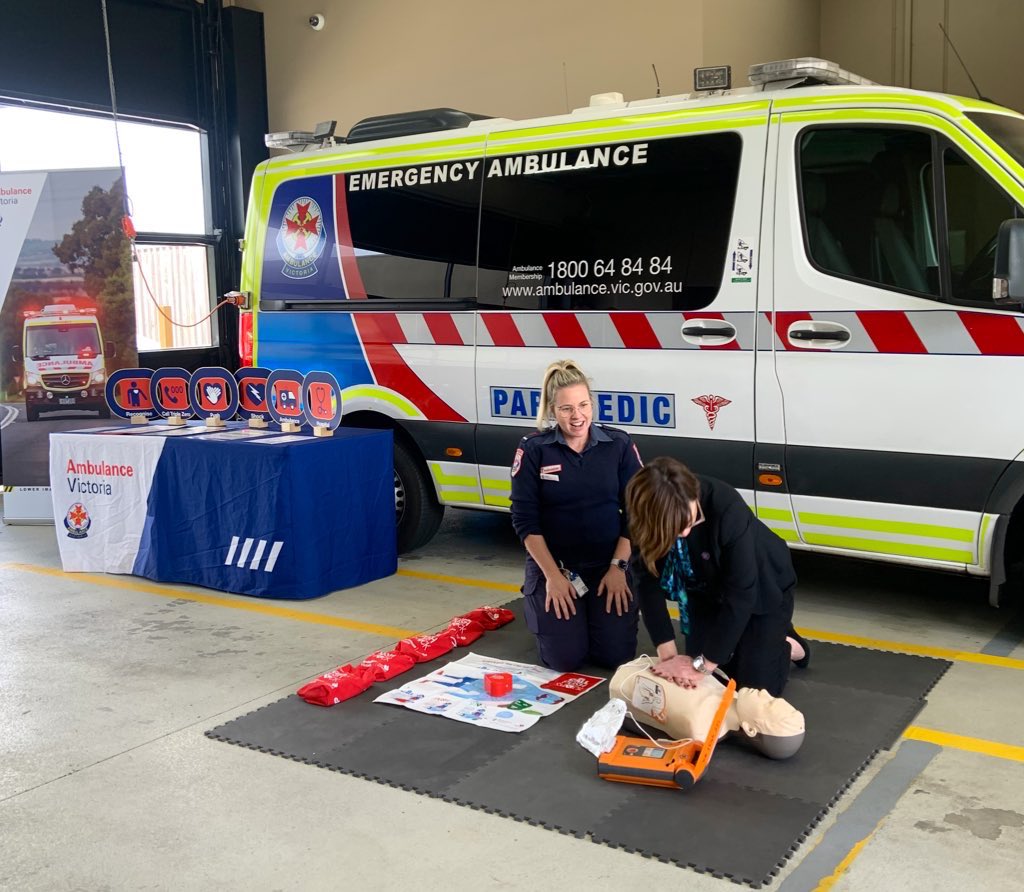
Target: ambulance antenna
<point>565,87</point>
<point>962,64</point>
<point>657,82</point>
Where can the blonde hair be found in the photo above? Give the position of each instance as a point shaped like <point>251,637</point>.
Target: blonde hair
<point>564,373</point>
<point>658,500</point>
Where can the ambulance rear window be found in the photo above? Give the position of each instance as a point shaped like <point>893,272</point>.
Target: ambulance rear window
<point>623,226</point>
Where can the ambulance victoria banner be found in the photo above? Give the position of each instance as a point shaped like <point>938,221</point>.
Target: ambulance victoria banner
<point>67,310</point>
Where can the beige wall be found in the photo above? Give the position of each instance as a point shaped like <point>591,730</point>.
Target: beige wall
<point>899,42</point>
<point>522,60</point>
<point>540,57</point>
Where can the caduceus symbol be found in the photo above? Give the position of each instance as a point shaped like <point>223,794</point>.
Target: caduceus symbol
<point>711,404</point>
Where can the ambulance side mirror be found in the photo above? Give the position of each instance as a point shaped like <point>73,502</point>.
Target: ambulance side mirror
<point>16,353</point>
<point>1008,278</point>
<point>110,350</point>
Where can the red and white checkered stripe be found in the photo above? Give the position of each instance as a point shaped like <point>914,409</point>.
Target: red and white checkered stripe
<point>951,332</point>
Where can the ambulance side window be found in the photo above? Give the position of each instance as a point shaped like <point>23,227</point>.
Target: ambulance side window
<point>975,206</point>
<point>866,206</point>
<point>415,242</point>
<point>623,226</point>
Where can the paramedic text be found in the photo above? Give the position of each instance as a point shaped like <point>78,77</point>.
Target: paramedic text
<point>637,409</point>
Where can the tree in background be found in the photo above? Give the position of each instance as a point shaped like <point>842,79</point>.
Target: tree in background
<point>98,248</point>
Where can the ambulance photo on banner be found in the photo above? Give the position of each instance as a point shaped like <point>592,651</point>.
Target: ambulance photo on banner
<point>67,309</point>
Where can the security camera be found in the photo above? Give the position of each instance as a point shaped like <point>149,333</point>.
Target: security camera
<point>316,21</point>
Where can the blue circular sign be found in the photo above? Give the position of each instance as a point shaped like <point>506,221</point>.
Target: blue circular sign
<point>213,391</point>
<point>128,393</point>
<point>252,393</point>
<point>321,400</point>
<point>284,396</point>
<point>170,392</point>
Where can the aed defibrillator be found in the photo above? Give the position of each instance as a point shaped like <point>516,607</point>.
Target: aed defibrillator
<point>638,760</point>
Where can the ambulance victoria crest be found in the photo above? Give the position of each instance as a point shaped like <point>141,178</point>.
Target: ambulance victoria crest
<point>63,354</point>
<point>787,286</point>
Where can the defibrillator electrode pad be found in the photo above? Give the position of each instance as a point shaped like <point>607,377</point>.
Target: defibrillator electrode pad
<point>597,735</point>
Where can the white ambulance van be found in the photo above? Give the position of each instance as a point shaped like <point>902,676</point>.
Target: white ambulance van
<point>787,286</point>
<point>63,355</point>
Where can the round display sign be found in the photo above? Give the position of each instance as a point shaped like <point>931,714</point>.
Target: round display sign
<point>284,396</point>
<point>252,393</point>
<point>128,393</point>
<point>169,390</point>
<point>321,400</point>
<point>213,391</point>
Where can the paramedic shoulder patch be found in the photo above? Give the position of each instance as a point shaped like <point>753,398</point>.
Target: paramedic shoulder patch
<point>517,462</point>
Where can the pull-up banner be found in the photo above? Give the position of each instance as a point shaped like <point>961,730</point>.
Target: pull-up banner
<point>67,318</point>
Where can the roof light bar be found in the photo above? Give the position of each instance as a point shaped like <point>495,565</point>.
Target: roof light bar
<point>819,70</point>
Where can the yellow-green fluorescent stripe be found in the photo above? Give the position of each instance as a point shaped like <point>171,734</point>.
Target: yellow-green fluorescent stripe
<point>500,485</point>
<point>454,496</point>
<point>345,164</point>
<point>445,479</point>
<point>925,530</point>
<point>372,393</point>
<point>500,501</point>
<point>775,514</point>
<point>783,533</point>
<point>986,521</point>
<point>957,134</point>
<point>904,549</point>
<point>578,141</point>
<point>912,99</point>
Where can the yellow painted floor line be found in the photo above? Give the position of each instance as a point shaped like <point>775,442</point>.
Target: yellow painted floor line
<point>461,580</point>
<point>924,650</point>
<point>967,744</point>
<point>829,881</point>
<point>153,588</point>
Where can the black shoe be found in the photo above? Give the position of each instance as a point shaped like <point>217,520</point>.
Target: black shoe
<point>803,662</point>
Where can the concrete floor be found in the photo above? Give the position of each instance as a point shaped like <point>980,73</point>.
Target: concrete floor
<point>107,782</point>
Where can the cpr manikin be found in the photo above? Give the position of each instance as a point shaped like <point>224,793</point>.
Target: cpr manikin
<point>770,724</point>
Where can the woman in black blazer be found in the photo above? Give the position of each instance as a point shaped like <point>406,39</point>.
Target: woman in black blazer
<point>732,577</point>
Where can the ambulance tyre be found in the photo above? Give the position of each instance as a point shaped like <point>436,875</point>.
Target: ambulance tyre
<point>31,413</point>
<point>417,511</point>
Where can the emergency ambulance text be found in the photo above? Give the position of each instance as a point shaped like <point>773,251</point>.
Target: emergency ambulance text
<point>610,407</point>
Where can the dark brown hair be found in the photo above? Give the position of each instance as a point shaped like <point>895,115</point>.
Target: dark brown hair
<point>658,506</point>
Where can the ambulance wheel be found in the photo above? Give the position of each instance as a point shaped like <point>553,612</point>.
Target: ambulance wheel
<point>418,514</point>
<point>31,413</point>
<point>104,411</point>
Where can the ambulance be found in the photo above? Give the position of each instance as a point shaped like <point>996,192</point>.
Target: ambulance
<point>788,286</point>
<point>63,355</point>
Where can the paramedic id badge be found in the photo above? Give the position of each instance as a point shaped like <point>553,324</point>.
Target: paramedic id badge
<point>577,582</point>
<point>649,697</point>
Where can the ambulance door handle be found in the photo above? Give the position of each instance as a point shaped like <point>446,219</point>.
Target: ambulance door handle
<point>708,331</point>
<point>811,335</point>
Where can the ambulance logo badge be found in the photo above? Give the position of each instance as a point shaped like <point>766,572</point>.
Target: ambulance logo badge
<point>711,404</point>
<point>301,238</point>
<point>77,521</point>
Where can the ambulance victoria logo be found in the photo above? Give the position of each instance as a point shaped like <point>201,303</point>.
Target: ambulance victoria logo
<point>77,521</point>
<point>301,238</point>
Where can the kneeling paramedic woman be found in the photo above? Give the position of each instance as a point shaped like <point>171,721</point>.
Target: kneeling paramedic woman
<point>568,489</point>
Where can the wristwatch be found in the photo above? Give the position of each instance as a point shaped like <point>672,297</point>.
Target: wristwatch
<point>621,564</point>
<point>700,664</point>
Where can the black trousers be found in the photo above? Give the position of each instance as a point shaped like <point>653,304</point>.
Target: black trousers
<point>591,636</point>
<point>762,657</point>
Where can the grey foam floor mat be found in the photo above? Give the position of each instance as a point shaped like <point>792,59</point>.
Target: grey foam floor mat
<point>742,821</point>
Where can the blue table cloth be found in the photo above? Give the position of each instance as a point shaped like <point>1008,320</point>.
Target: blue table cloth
<point>276,516</point>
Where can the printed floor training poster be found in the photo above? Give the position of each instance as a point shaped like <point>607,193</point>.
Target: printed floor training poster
<point>67,310</point>
<point>456,691</point>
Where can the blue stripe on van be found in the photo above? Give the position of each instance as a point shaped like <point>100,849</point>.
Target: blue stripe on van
<point>325,342</point>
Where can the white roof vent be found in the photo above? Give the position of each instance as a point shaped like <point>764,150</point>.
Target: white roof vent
<point>818,71</point>
<point>600,99</point>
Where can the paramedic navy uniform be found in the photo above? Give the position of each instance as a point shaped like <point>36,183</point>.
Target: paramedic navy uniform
<point>575,501</point>
<point>740,597</point>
